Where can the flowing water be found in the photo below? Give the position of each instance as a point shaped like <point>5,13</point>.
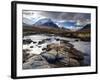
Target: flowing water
<point>36,48</point>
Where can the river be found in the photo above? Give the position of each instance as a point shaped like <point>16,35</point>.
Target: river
<point>36,48</point>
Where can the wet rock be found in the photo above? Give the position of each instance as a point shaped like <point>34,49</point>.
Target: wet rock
<point>39,46</point>
<point>36,62</point>
<point>31,46</point>
<point>49,47</point>
<point>69,45</point>
<point>64,41</point>
<point>26,55</point>
<point>34,42</point>
<point>49,57</point>
<point>27,41</point>
<point>63,58</point>
<point>77,40</point>
<point>41,42</point>
<point>48,39</point>
<point>53,56</point>
<point>76,54</point>
<point>57,39</point>
<point>44,49</point>
<point>73,62</point>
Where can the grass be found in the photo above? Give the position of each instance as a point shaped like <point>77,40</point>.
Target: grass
<point>83,35</point>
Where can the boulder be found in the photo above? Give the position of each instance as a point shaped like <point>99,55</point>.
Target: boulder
<point>73,62</point>
<point>64,41</point>
<point>27,41</point>
<point>48,39</point>
<point>25,55</point>
<point>74,53</point>
<point>34,42</point>
<point>36,62</point>
<point>76,40</point>
<point>57,39</point>
<point>50,57</point>
<point>31,46</point>
<point>69,45</point>
<point>41,42</point>
<point>63,58</point>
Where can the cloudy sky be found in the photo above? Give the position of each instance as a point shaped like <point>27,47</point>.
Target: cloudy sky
<point>81,17</point>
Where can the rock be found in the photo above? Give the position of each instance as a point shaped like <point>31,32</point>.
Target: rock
<point>76,54</point>
<point>26,65</point>
<point>64,41</point>
<point>27,41</point>
<point>44,49</point>
<point>48,39</point>
<point>34,42</point>
<point>31,46</point>
<point>41,42</point>
<point>36,62</point>
<point>63,58</point>
<point>53,52</point>
<point>77,40</point>
<point>51,58</point>
<point>63,47</point>
<point>39,46</point>
<point>51,46</point>
<point>69,45</point>
<point>57,39</point>
<point>26,55</point>
<point>73,62</point>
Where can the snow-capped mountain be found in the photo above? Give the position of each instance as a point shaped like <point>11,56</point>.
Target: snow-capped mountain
<point>39,21</point>
<point>31,20</point>
<point>46,22</point>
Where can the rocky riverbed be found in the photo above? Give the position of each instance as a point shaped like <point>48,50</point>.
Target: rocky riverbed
<point>42,51</point>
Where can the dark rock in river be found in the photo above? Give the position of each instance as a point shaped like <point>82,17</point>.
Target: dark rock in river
<point>48,39</point>
<point>77,40</point>
<point>34,42</point>
<point>36,62</point>
<point>31,46</point>
<point>64,41</point>
<point>44,49</point>
<point>27,41</point>
<point>57,39</point>
<point>41,42</point>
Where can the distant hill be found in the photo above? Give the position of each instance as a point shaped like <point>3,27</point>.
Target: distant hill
<point>86,28</point>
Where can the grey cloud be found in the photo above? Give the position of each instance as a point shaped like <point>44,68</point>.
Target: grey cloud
<point>62,15</point>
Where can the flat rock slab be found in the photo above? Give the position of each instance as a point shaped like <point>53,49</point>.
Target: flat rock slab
<point>36,62</point>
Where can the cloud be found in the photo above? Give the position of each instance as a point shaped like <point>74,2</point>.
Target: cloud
<point>82,17</point>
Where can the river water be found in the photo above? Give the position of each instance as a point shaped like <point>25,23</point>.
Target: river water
<point>83,46</point>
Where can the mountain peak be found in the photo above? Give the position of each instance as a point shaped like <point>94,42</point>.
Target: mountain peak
<point>46,22</point>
